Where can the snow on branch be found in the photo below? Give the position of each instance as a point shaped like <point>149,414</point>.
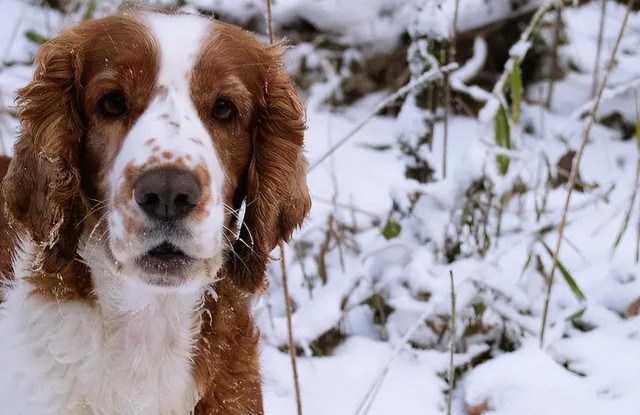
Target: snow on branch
<point>430,76</point>
<point>517,52</point>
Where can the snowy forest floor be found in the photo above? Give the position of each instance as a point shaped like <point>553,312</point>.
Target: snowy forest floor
<point>370,272</point>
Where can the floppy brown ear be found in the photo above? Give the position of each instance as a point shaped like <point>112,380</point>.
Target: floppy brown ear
<point>277,199</point>
<point>41,189</point>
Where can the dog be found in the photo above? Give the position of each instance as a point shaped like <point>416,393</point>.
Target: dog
<point>159,162</point>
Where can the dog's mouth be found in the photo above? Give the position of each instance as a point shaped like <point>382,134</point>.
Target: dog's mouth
<point>165,259</point>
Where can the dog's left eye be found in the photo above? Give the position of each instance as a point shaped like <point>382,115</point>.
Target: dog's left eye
<point>224,110</point>
<point>112,105</point>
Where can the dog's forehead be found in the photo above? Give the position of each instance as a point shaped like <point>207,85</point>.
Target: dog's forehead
<point>180,40</point>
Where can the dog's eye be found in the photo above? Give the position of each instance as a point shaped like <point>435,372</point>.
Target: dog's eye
<point>224,110</point>
<point>112,105</point>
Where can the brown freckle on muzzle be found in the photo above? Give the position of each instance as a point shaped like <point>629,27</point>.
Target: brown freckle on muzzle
<point>196,140</point>
<point>162,92</point>
<point>201,211</point>
<point>130,223</point>
<point>150,142</point>
<point>130,173</point>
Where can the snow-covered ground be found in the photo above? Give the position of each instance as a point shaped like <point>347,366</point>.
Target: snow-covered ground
<point>385,299</point>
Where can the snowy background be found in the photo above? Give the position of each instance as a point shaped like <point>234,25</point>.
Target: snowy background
<point>370,272</point>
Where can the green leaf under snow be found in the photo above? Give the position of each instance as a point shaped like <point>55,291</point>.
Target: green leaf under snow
<point>567,277</point>
<point>90,10</point>
<point>516,91</point>
<point>503,139</point>
<point>526,264</point>
<point>35,37</point>
<point>391,229</point>
<point>578,314</point>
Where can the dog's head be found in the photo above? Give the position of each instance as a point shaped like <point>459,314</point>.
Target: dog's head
<point>172,142</point>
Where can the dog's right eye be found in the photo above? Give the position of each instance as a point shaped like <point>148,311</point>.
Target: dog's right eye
<point>224,110</point>
<point>112,105</point>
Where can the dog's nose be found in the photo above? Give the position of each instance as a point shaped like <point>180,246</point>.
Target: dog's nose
<point>166,194</point>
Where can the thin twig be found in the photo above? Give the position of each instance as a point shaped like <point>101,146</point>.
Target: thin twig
<point>609,94</point>
<point>554,55</point>
<point>486,27</point>
<point>336,204</point>
<point>429,76</point>
<point>525,37</point>
<point>367,401</point>
<point>632,203</point>
<point>637,137</point>
<point>596,65</point>
<point>447,90</point>
<point>292,345</point>
<point>269,22</point>
<point>452,346</point>
<point>573,176</point>
<point>637,257</point>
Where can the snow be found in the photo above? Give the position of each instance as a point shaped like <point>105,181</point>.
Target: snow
<point>586,365</point>
<point>528,382</point>
<point>18,18</point>
<point>574,377</point>
<point>330,389</point>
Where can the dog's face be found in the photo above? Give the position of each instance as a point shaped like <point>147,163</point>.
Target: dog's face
<point>164,125</point>
<point>177,125</point>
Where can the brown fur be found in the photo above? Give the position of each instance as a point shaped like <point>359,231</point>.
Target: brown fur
<point>272,178</point>
<point>7,235</point>
<point>56,182</point>
<point>226,368</point>
<point>49,188</point>
<point>73,282</point>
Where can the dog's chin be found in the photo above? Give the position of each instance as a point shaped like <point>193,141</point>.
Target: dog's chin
<point>166,280</point>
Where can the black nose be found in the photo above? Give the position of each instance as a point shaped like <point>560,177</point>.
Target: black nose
<point>166,194</point>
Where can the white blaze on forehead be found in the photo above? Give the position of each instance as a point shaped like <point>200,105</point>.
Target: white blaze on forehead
<point>170,130</point>
<point>180,40</point>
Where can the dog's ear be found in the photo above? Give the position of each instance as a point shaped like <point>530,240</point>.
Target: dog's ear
<point>41,189</point>
<point>276,195</point>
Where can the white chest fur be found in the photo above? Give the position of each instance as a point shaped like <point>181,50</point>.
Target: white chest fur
<point>132,357</point>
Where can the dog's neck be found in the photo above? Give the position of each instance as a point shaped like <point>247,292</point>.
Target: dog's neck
<point>149,333</point>
<point>132,340</point>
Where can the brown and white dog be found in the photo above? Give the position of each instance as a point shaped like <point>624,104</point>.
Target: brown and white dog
<point>160,161</point>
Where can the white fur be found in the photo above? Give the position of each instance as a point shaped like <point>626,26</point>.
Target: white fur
<point>131,354</point>
<point>172,122</point>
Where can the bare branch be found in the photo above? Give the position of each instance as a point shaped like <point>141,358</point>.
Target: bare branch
<point>452,346</point>
<point>447,90</point>
<point>429,76</point>
<point>292,345</point>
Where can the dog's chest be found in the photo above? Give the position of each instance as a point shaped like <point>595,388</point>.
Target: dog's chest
<point>68,358</point>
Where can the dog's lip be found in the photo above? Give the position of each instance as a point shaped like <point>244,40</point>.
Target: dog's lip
<point>165,250</point>
<point>164,259</point>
